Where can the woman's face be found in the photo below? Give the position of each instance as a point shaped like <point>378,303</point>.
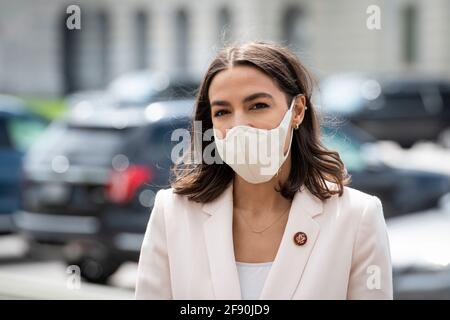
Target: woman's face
<point>244,95</point>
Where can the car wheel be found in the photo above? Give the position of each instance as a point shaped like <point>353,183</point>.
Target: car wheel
<point>406,144</point>
<point>96,270</point>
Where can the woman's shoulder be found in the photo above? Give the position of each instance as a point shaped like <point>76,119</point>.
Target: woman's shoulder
<point>350,193</point>
<point>358,196</point>
<point>358,213</point>
<point>356,203</point>
<point>167,198</point>
<point>167,195</point>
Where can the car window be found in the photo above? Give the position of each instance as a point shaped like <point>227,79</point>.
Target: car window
<point>81,145</point>
<point>19,132</point>
<point>24,131</point>
<point>166,133</point>
<point>155,143</point>
<point>346,95</point>
<point>403,103</point>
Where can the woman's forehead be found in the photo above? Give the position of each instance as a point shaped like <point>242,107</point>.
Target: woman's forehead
<point>241,81</point>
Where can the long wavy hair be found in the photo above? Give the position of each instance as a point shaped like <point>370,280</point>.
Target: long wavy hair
<point>312,164</point>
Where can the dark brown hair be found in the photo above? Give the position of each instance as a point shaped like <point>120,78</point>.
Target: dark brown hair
<point>312,165</point>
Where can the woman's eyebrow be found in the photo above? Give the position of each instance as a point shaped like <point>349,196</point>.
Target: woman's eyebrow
<point>246,99</point>
<point>256,96</point>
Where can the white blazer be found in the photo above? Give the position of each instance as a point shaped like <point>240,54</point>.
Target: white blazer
<point>188,251</point>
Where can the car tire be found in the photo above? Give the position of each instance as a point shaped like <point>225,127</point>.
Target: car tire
<point>96,270</point>
<point>407,145</point>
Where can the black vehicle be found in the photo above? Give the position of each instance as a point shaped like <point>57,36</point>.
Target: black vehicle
<point>19,128</point>
<point>404,109</point>
<point>90,186</point>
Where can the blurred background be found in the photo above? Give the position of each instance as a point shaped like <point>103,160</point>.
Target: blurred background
<point>91,90</point>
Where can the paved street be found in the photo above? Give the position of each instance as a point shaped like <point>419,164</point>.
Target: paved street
<point>25,278</point>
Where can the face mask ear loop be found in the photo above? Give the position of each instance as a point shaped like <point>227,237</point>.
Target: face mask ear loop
<point>289,110</point>
<point>294,99</point>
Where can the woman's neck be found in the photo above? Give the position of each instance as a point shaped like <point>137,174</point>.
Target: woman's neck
<point>261,197</point>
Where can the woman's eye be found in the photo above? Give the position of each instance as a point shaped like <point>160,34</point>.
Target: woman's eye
<point>259,106</point>
<point>256,106</point>
<point>220,113</point>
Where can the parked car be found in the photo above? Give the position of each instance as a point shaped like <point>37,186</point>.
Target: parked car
<point>19,128</point>
<point>404,109</point>
<point>137,89</point>
<point>89,183</point>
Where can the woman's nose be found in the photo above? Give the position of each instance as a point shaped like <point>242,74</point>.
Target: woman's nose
<point>241,119</point>
<point>225,130</point>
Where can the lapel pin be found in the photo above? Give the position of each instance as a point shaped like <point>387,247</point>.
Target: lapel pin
<point>300,238</point>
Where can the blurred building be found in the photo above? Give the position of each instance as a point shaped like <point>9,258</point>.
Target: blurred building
<point>40,56</point>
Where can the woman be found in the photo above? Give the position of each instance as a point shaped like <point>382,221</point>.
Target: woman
<point>284,226</point>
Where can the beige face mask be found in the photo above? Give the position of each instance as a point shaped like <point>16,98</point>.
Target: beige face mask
<point>256,154</point>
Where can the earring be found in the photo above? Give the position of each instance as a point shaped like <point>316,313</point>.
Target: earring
<point>296,127</point>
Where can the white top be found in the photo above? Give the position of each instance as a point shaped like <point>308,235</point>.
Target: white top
<point>252,277</point>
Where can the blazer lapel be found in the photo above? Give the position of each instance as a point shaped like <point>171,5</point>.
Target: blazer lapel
<point>291,259</point>
<point>219,243</point>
